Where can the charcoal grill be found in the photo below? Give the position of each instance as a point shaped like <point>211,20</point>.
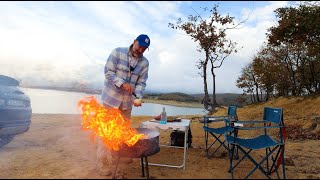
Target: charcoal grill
<point>147,146</point>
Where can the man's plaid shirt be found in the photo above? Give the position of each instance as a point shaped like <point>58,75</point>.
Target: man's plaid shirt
<point>117,71</point>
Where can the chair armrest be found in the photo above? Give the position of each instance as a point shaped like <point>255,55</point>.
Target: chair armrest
<point>246,121</point>
<point>256,127</point>
<point>252,121</point>
<point>217,116</point>
<point>209,119</point>
<point>215,120</point>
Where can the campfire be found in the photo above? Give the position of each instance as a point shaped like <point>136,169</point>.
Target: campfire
<point>108,123</point>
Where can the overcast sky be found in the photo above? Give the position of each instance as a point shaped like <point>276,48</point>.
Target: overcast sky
<point>59,43</point>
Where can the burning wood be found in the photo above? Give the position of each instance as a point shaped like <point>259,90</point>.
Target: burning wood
<point>108,123</point>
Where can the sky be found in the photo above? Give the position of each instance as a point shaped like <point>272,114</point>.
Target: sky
<point>62,43</point>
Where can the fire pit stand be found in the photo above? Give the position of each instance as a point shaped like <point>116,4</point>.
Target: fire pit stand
<point>147,146</point>
<point>146,163</point>
<point>142,167</point>
<point>147,167</point>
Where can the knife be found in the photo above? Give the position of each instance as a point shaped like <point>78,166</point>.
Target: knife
<point>135,95</point>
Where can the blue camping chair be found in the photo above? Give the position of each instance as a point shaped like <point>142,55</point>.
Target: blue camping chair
<point>218,132</point>
<point>274,149</point>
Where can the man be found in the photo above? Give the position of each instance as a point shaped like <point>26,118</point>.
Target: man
<point>126,73</point>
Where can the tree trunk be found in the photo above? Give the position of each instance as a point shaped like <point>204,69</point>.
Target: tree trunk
<point>252,98</point>
<point>206,98</point>
<point>214,103</point>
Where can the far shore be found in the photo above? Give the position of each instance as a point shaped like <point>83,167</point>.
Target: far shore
<point>154,101</point>
<point>174,103</point>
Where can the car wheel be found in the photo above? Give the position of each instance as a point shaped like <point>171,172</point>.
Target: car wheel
<point>5,139</point>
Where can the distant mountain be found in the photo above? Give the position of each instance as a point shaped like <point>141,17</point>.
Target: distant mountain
<point>176,96</point>
<point>68,89</point>
<point>224,99</point>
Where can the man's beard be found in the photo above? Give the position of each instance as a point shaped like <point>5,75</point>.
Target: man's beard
<point>136,54</point>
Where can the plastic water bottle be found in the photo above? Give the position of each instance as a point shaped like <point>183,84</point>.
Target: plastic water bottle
<point>163,119</point>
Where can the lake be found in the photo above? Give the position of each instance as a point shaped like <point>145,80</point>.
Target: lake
<point>45,101</point>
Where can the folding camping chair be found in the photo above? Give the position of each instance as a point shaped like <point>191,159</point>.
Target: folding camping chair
<point>218,132</point>
<point>272,119</point>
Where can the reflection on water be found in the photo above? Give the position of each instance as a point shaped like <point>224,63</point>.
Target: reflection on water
<point>61,102</point>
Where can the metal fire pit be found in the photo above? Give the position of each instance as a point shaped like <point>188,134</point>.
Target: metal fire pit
<point>147,146</point>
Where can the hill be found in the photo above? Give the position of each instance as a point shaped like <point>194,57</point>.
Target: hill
<point>176,96</point>
<point>227,99</point>
<point>224,99</point>
<point>301,115</point>
<point>68,89</point>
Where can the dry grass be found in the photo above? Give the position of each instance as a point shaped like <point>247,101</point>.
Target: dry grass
<point>55,147</point>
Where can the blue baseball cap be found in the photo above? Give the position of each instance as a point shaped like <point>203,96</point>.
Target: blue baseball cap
<point>143,40</point>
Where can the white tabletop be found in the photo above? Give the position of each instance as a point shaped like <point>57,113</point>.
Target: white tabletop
<point>182,126</point>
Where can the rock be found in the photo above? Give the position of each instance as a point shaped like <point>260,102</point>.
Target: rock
<point>288,161</point>
<point>317,119</point>
<point>224,154</point>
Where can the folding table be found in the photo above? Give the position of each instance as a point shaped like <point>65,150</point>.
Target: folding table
<point>183,125</point>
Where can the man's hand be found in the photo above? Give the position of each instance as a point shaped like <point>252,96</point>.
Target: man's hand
<point>126,87</point>
<point>137,102</point>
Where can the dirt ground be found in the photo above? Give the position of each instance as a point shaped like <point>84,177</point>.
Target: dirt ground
<point>55,147</point>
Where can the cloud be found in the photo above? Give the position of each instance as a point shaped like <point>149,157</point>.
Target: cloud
<point>59,43</point>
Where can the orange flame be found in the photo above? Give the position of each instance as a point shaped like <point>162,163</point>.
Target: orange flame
<point>108,123</point>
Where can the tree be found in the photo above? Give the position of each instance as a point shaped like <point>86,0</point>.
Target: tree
<point>290,63</point>
<point>210,33</point>
<point>298,31</point>
<point>273,74</point>
<point>248,82</point>
<point>241,100</point>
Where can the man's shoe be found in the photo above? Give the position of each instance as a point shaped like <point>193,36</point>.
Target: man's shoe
<point>104,172</point>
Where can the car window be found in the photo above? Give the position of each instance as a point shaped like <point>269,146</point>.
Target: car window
<point>8,81</point>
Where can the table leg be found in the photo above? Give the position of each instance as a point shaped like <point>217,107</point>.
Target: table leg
<point>185,148</point>
<point>186,130</point>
